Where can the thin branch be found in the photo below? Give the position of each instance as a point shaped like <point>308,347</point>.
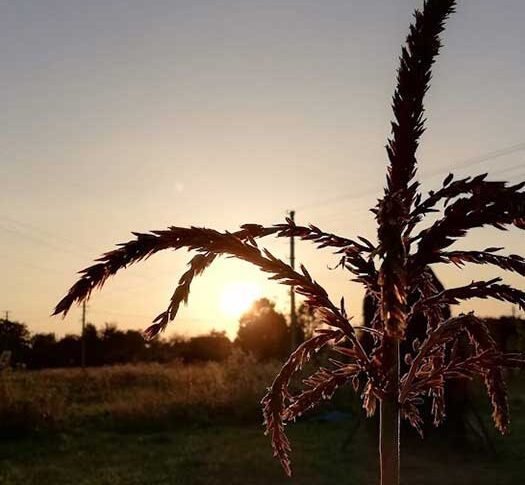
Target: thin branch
<point>206,241</point>
<point>512,262</point>
<point>321,386</point>
<point>197,266</point>
<point>274,402</point>
<point>442,334</point>
<point>146,245</point>
<point>452,189</point>
<point>476,289</point>
<point>350,250</point>
<point>499,207</point>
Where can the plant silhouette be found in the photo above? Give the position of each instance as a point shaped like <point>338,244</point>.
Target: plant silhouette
<point>391,270</point>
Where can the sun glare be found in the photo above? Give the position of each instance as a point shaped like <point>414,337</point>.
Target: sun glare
<point>237,297</point>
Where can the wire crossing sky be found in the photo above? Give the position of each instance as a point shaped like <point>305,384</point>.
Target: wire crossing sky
<point>121,116</point>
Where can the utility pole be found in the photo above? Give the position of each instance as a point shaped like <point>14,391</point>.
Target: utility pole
<point>293,317</point>
<point>83,338</point>
<point>7,315</point>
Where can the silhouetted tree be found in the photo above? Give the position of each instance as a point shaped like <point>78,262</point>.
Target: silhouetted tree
<point>14,338</point>
<point>263,331</point>
<point>43,351</point>
<point>68,348</point>
<point>215,346</point>
<point>120,347</point>
<point>94,346</point>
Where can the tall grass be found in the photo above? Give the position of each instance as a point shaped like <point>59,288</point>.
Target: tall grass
<point>135,395</point>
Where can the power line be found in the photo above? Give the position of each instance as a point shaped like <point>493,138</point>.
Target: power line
<point>120,314</point>
<point>48,241</point>
<point>37,239</point>
<point>44,238</point>
<point>25,226</point>
<point>510,169</point>
<point>361,216</point>
<point>483,158</point>
<point>460,164</point>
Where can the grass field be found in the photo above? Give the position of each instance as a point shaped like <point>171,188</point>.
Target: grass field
<point>201,425</point>
<point>240,455</point>
<point>145,395</point>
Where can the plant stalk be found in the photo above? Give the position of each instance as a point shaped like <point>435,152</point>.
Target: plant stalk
<point>389,440</point>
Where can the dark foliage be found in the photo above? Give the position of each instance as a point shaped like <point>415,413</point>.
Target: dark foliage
<point>263,332</point>
<point>14,338</point>
<point>106,347</point>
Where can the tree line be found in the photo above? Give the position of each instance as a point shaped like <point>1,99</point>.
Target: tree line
<point>263,331</point>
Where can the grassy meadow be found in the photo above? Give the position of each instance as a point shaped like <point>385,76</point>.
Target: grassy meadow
<point>201,424</point>
<point>134,395</point>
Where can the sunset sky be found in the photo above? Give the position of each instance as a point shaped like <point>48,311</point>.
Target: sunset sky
<point>122,116</point>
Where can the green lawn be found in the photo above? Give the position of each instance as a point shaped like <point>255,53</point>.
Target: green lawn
<point>241,455</point>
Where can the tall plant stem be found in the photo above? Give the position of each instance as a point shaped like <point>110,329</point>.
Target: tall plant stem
<point>389,439</point>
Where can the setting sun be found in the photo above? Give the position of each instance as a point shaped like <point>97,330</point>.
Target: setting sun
<point>237,297</point>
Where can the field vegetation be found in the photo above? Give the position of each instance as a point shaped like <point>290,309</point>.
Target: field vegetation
<point>134,395</point>
<point>201,424</point>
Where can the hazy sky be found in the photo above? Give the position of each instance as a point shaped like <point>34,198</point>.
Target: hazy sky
<point>134,115</point>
